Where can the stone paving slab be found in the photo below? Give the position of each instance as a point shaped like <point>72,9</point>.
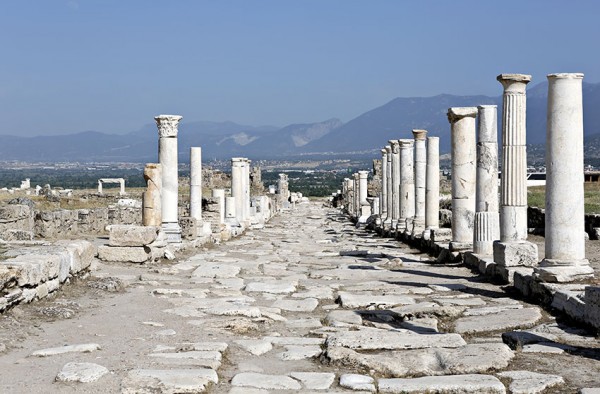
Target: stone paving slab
<point>463,384</point>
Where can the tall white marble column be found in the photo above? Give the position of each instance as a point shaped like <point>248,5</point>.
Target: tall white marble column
<point>432,186</point>
<point>387,223</point>
<point>462,121</point>
<point>384,192</point>
<point>196,183</point>
<point>237,186</point>
<point>407,185</point>
<point>395,194</point>
<point>513,249</point>
<point>420,180</point>
<point>565,224</point>
<point>246,180</point>
<point>487,224</point>
<point>364,205</point>
<point>167,157</point>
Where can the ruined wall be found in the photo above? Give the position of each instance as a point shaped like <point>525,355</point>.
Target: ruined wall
<point>16,222</point>
<point>71,223</point>
<point>33,272</point>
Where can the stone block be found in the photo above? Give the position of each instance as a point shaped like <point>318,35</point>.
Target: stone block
<point>18,235</point>
<point>441,235</point>
<point>131,235</point>
<point>518,253</point>
<point>124,254</point>
<point>12,213</point>
<point>592,305</point>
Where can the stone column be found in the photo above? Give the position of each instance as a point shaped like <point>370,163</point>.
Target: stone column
<point>420,176</point>
<point>362,187</point>
<point>407,185</point>
<point>384,192</point>
<point>237,186</point>
<point>364,206</point>
<point>99,187</point>
<point>356,180</point>
<point>390,196</point>
<point>219,194</point>
<point>122,187</point>
<point>432,187</point>
<point>564,239</point>
<point>462,121</point>
<point>167,157</point>
<point>375,205</point>
<point>349,196</point>
<point>395,194</point>
<point>230,211</point>
<point>196,183</point>
<point>151,199</point>
<point>513,249</point>
<point>246,180</point>
<point>486,196</point>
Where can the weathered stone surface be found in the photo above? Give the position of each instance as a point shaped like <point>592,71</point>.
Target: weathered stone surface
<point>525,382</point>
<point>300,352</point>
<point>267,382</point>
<point>343,318</point>
<point>454,384</point>
<point>375,339</point>
<point>304,305</point>
<point>215,270</point>
<point>314,380</point>
<point>350,300</point>
<point>255,346</point>
<point>124,254</point>
<point>358,382</point>
<point>83,348</point>
<point>274,287</point>
<point>81,372</point>
<point>131,235</point>
<point>174,381</point>
<point>508,319</point>
<point>473,358</point>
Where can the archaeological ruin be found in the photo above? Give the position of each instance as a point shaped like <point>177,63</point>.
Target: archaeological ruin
<point>214,283</point>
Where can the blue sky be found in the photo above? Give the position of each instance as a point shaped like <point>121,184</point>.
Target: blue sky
<point>111,65</point>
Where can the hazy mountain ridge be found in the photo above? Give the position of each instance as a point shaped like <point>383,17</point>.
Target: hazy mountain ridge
<point>365,133</point>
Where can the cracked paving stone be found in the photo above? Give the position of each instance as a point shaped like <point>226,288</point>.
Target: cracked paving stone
<point>81,372</point>
<point>263,381</point>
<point>525,382</point>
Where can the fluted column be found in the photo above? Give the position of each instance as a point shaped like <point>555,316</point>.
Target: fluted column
<point>384,191</point>
<point>390,191</point>
<point>432,187</point>
<point>407,184</point>
<point>565,224</point>
<point>395,148</point>
<point>513,249</point>
<point>420,179</point>
<point>462,121</point>
<point>167,157</point>
<point>486,200</point>
<point>196,183</point>
<point>237,186</point>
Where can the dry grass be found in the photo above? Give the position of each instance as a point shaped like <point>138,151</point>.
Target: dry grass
<point>536,197</point>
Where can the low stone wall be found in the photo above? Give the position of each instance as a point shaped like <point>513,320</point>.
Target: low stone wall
<point>16,222</point>
<point>33,272</point>
<point>68,223</point>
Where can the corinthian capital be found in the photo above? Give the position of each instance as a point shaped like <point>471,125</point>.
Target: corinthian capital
<point>167,125</point>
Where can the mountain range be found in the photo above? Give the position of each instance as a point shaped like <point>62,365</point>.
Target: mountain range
<point>361,135</point>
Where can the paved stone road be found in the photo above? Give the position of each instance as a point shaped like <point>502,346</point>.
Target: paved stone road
<point>307,304</point>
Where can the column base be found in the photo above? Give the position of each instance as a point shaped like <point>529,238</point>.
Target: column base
<point>515,253</point>
<point>418,226</point>
<point>172,232</point>
<point>441,234</point>
<point>460,246</point>
<point>483,248</point>
<point>561,271</point>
